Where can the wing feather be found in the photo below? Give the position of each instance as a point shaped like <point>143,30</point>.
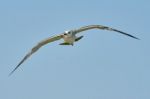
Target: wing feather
<point>35,48</point>
<point>102,28</point>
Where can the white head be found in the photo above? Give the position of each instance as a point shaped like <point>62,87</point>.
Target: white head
<point>67,31</point>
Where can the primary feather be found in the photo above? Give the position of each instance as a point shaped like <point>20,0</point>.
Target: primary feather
<point>35,48</point>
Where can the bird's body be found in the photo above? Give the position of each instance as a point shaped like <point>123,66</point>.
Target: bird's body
<point>69,38</point>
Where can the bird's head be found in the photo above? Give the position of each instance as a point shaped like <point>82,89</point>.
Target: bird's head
<point>68,33</point>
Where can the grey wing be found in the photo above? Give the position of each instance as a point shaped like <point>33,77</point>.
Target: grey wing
<point>102,28</point>
<point>35,48</point>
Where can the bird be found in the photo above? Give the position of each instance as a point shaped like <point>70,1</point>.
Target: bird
<point>69,38</point>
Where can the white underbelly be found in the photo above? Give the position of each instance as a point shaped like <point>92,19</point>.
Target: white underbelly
<point>69,39</point>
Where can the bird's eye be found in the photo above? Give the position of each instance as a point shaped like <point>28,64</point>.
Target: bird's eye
<point>69,32</point>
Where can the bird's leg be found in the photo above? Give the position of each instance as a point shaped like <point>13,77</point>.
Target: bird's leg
<point>78,38</point>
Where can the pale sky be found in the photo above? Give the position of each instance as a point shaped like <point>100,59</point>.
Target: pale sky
<point>102,65</point>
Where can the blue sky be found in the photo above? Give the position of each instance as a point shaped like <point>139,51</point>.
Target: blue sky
<point>103,65</point>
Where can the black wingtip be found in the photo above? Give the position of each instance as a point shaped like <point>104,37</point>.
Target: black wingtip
<point>125,34</point>
<point>28,55</point>
<point>135,37</point>
<point>13,70</point>
<point>10,73</point>
<point>132,36</point>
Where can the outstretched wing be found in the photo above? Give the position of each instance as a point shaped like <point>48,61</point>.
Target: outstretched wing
<point>35,48</point>
<point>102,28</point>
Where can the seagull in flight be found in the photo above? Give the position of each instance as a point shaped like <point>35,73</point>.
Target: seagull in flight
<point>69,38</point>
